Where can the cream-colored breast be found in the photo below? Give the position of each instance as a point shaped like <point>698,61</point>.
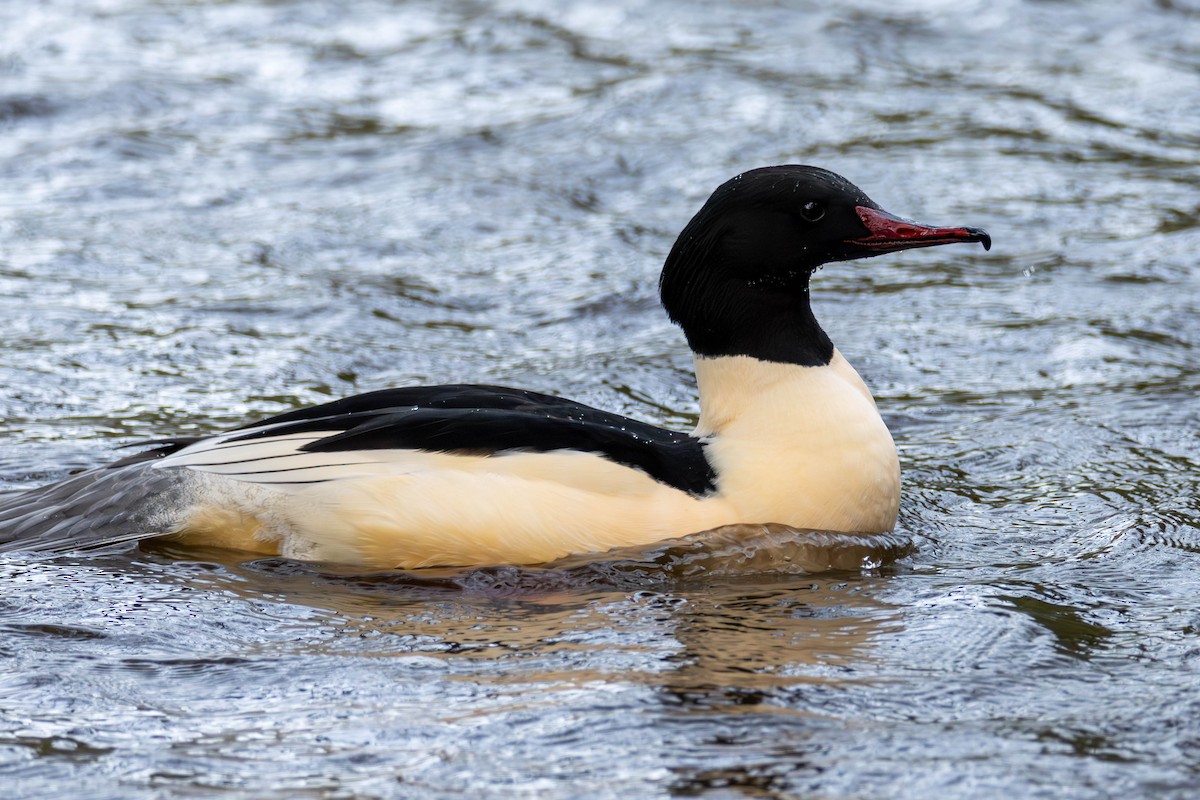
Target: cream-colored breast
<point>802,446</point>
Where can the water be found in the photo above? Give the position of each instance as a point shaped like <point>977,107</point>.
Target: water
<point>212,211</point>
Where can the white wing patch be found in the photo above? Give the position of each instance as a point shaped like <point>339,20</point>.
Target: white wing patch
<point>279,463</point>
<point>271,459</point>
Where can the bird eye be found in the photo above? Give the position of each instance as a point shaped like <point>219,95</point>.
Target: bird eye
<point>812,211</point>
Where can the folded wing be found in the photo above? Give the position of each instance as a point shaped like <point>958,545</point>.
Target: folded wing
<point>362,434</point>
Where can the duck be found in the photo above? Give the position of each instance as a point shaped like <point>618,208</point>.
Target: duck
<point>470,475</point>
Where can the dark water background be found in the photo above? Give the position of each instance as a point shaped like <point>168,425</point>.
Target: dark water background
<point>215,210</point>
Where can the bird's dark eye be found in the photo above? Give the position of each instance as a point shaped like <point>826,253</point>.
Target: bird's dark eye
<point>812,211</point>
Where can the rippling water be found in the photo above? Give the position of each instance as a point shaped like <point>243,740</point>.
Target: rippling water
<point>216,210</point>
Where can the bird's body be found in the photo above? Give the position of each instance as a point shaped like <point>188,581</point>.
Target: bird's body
<point>463,475</point>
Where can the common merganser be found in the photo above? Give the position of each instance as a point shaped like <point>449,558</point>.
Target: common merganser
<point>471,475</point>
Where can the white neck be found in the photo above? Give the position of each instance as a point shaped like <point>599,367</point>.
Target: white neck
<point>803,446</point>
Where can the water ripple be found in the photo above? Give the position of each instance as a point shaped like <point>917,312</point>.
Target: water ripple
<point>210,212</point>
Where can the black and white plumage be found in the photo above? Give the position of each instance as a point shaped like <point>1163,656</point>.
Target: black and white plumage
<point>310,444</point>
<point>467,474</point>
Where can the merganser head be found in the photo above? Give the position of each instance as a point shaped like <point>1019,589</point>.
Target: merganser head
<point>736,279</point>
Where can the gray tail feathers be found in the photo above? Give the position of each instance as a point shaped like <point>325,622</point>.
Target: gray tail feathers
<point>123,502</point>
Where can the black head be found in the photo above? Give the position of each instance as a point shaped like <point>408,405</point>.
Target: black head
<point>736,280</point>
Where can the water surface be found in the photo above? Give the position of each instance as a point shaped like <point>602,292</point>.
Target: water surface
<point>218,210</point>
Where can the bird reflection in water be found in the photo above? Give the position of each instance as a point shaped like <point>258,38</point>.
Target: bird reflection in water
<point>737,614</point>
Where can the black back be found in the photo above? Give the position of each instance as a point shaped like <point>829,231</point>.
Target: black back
<point>494,421</point>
